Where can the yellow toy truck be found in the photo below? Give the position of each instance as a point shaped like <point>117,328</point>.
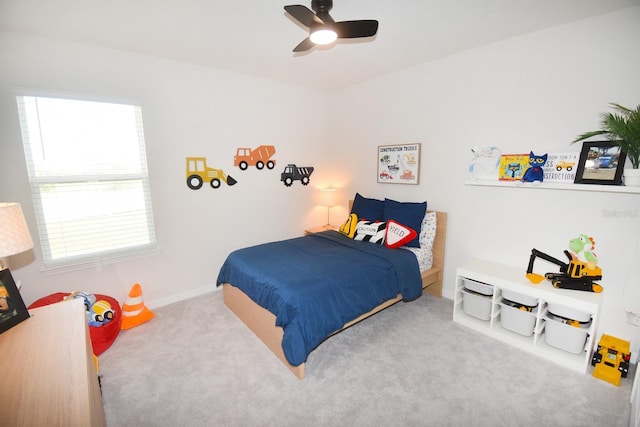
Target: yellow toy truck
<point>565,165</point>
<point>611,359</point>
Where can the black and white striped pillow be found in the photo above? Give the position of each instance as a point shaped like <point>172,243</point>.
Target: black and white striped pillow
<point>370,231</point>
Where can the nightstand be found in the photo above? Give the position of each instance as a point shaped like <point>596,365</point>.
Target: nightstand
<point>319,229</point>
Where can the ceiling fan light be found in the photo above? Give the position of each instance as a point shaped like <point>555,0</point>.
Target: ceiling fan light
<point>323,36</point>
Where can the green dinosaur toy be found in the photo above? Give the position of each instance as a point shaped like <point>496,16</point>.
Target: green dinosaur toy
<point>584,245</point>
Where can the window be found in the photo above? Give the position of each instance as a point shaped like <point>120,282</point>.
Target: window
<point>88,173</point>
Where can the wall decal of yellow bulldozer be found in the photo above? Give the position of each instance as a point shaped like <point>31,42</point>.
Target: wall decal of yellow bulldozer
<point>198,172</point>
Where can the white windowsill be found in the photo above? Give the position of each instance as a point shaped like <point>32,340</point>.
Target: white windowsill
<point>48,271</point>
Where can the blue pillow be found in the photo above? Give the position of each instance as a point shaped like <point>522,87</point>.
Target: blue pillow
<point>408,214</point>
<point>368,209</point>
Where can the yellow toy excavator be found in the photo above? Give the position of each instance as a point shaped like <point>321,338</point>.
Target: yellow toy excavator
<point>577,275</point>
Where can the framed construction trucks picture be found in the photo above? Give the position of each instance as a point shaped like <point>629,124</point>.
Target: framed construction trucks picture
<point>399,164</point>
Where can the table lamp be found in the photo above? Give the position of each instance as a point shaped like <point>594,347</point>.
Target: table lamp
<point>14,233</point>
<point>328,198</point>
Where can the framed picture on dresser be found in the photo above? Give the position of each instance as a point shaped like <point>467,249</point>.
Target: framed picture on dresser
<point>12,308</point>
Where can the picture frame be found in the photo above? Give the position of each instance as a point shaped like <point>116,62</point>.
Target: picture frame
<point>601,162</point>
<point>561,167</point>
<point>399,164</point>
<point>12,308</point>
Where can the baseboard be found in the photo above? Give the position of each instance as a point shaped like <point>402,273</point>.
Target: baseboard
<point>182,296</point>
<point>446,293</point>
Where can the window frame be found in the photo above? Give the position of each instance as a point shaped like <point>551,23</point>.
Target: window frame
<point>92,258</point>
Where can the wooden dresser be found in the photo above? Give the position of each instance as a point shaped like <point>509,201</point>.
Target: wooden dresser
<point>47,372</point>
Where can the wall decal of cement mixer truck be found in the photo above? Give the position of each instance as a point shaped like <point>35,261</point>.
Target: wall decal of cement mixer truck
<point>198,172</point>
<point>258,157</point>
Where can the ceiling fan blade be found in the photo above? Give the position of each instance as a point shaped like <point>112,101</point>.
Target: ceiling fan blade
<point>303,15</point>
<point>304,45</point>
<point>356,29</point>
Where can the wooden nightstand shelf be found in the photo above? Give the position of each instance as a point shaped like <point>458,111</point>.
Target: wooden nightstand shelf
<point>320,229</point>
<point>48,373</point>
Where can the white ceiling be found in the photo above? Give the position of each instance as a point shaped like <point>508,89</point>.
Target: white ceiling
<point>256,37</point>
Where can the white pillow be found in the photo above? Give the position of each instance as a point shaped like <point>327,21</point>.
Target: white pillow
<point>370,231</point>
<point>428,230</point>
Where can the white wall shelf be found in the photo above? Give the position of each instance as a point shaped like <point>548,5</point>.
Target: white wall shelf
<point>512,279</point>
<point>556,186</point>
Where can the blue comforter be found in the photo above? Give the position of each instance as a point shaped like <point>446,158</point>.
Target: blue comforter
<point>317,283</point>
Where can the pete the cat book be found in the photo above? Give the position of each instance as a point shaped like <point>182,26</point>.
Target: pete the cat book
<point>512,166</point>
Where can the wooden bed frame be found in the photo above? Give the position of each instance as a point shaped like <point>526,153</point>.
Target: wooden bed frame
<point>262,322</point>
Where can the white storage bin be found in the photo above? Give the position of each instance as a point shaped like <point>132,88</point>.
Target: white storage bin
<point>519,298</point>
<point>516,320</point>
<point>476,305</point>
<point>479,287</point>
<point>558,333</point>
<point>568,312</point>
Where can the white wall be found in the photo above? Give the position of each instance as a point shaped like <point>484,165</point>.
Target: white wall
<point>187,111</point>
<point>533,92</point>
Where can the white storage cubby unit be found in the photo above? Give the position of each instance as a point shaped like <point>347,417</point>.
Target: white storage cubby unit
<point>513,279</point>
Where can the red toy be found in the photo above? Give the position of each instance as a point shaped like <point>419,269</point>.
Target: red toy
<point>101,337</point>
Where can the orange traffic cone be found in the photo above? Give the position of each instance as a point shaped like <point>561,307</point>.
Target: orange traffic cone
<point>134,312</point>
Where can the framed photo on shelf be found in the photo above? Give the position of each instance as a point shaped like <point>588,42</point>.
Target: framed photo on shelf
<point>399,164</point>
<point>12,308</point>
<point>601,162</point>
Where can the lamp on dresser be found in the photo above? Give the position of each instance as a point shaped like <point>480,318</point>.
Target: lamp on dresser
<point>14,233</point>
<point>328,198</point>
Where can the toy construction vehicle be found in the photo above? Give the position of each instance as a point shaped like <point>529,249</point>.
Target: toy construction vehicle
<point>258,157</point>
<point>611,359</point>
<point>198,172</point>
<point>294,173</point>
<point>576,275</point>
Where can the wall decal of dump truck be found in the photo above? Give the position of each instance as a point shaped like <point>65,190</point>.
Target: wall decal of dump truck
<point>293,173</point>
<point>198,172</point>
<point>259,157</point>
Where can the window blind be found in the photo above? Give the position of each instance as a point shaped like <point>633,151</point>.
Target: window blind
<point>89,181</point>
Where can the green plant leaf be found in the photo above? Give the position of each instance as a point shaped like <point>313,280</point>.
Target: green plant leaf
<point>622,128</point>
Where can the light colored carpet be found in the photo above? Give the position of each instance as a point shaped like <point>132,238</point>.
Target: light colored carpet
<point>196,364</point>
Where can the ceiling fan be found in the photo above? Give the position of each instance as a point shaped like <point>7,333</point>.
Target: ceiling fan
<point>323,29</point>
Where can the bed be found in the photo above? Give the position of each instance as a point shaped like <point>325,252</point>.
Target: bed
<point>253,271</point>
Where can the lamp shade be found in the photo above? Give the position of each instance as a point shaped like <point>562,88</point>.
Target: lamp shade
<point>14,233</point>
<point>328,197</point>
